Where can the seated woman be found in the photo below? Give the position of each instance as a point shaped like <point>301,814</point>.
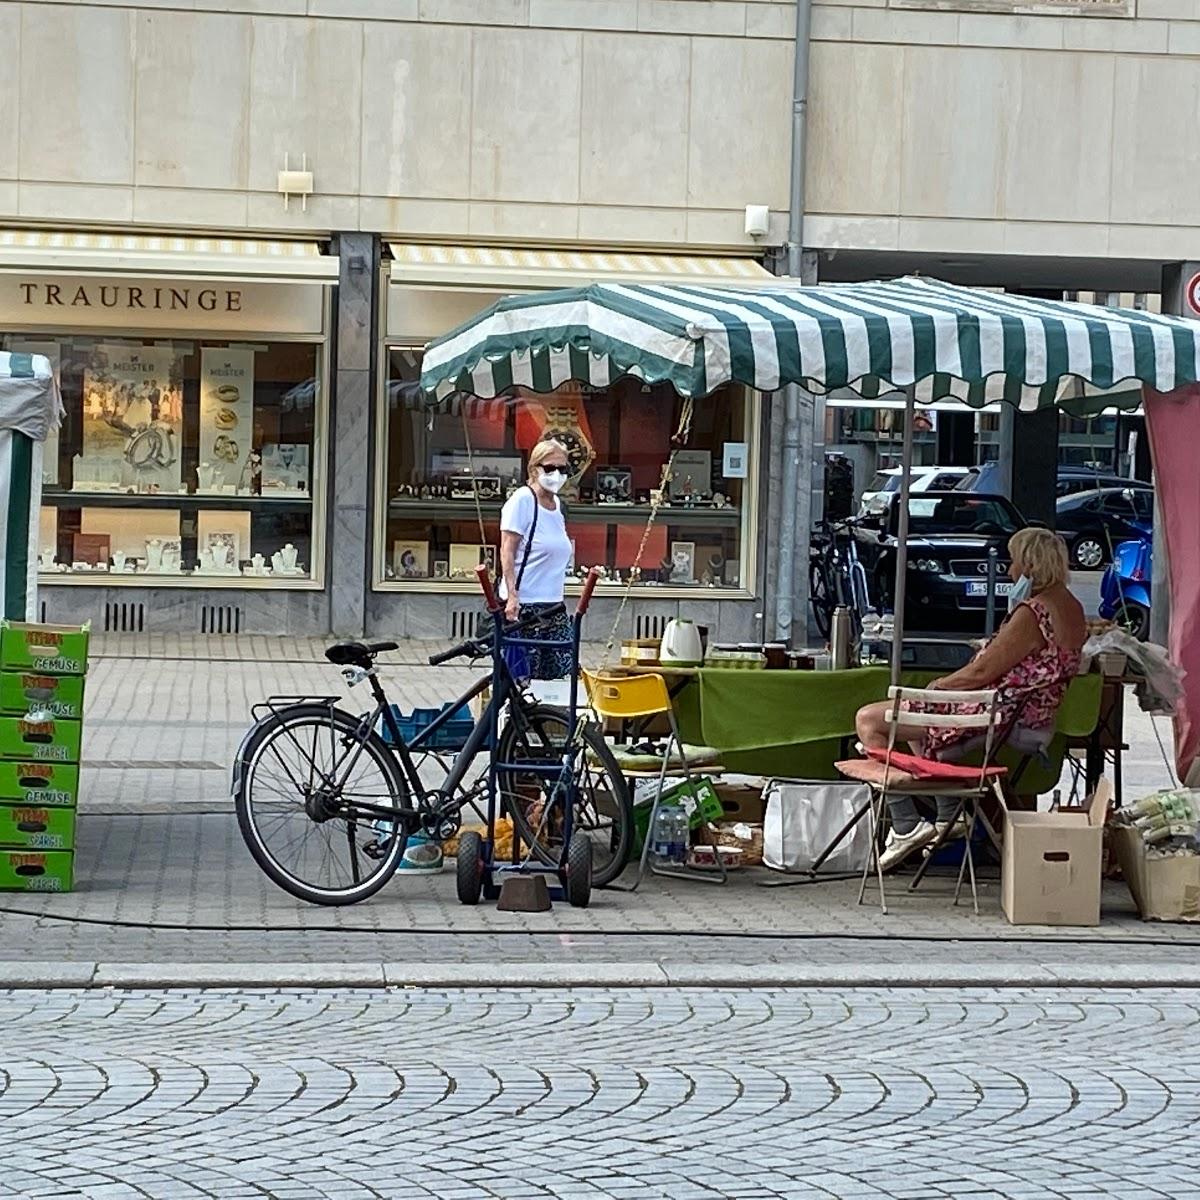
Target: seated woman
<point>1031,661</point>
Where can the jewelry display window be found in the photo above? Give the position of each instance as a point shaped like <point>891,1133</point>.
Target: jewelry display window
<point>445,475</point>
<point>181,460</point>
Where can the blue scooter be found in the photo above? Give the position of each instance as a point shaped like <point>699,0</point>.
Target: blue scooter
<point>1125,586</point>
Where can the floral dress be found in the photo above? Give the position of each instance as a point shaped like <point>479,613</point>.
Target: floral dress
<point>1029,695</point>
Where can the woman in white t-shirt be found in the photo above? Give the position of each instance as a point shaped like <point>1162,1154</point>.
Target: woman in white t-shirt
<point>535,553</point>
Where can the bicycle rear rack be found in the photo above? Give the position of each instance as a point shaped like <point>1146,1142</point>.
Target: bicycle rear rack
<point>276,705</point>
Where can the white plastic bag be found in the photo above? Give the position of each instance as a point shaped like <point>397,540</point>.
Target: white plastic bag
<point>1163,687</point>
<point>803,817</point>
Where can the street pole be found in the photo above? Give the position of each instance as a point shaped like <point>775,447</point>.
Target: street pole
<point>791,590</point>
<point>901,591</point>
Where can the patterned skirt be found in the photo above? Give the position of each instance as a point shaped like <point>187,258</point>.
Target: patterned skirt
<point>552,663</point>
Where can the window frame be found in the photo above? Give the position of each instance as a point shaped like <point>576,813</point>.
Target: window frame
<point>750,562</point>
<point>321,458</point>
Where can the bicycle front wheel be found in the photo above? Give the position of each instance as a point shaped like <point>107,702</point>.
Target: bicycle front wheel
<point>304,774</point>
<point>603,809</point>
<point>819,597</point>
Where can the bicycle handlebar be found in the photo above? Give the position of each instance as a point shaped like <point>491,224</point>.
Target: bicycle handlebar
<point>477,647</point>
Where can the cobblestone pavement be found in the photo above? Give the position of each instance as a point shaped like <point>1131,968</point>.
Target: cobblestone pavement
<point>599,1094</point>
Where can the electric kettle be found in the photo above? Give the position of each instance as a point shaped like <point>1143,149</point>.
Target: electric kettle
<point>681,646</point>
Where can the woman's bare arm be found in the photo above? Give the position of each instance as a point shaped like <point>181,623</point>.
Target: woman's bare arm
<point>509,541</point>
<point>1018,637</point>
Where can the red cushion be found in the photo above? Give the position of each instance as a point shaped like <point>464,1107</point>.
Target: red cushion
<point>928,768</point>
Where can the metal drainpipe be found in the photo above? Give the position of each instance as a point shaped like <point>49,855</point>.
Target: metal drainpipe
<point>785,584</point>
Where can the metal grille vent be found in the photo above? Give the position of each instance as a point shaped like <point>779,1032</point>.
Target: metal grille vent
<point>651,626</point>
<point>462,622</point>
<point>123,617</point>
<point>220,618</point>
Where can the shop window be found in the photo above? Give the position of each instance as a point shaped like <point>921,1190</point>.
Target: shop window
<point>181,460</point>
<point>445,476</point>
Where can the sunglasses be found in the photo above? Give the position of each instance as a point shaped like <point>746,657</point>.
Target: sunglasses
<point>552,469</point>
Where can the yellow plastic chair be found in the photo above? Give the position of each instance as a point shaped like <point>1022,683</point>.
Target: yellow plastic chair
<point>628,698</point>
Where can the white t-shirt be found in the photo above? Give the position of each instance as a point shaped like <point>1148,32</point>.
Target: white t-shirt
<point>549,553</point>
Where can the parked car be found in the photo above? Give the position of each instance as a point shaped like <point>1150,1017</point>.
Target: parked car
<point>885,484</point>
<point>1092,523</point>
<point>1125,587</point>
<point>1068,481</point>
<point>949,535</point>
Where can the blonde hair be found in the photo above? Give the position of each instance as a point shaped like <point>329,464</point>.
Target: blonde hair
<point>1041,555</point>
<point>543,450</point>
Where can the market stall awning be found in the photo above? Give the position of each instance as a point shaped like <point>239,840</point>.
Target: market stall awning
<point>70,252</point>
<point>505,268</point>
<point>870,337</point>
<point>30,401</point>
<point>30,406</point>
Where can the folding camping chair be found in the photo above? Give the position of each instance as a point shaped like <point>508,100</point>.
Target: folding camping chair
<point>1029,745</point>
<point>894,773</point>
<point>631,697</point>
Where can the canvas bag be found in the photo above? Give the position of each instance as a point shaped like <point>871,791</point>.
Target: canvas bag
<point>803,817</point>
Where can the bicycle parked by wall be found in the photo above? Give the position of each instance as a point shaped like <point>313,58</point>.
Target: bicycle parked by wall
<point>327,799</point>
<point>836,577</point>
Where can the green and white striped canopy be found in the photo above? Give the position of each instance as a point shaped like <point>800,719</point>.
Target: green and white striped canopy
<point>977,346</point>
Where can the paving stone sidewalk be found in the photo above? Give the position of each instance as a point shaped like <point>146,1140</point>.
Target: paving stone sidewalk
<point>163,874</point>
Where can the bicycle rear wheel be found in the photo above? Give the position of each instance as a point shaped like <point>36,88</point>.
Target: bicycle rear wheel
<point>302,775</point>
<point>603,806</point>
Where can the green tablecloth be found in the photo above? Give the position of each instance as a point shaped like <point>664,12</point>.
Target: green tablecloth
<point>796,723</point>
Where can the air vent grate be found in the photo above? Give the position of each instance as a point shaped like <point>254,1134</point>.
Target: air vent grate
<point>649,626</point>
<point>462,622</point>
<point>220,618</point>
<point>124,617</point>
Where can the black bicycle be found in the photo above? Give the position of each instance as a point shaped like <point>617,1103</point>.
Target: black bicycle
<point>836,577</point>
<point>327,799</point>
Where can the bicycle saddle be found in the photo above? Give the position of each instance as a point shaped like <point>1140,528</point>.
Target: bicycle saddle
<point>357,654</point>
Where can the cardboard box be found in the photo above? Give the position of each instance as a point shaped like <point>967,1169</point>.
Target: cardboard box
<point>51,740</point>
<point>741,803</point>
<point>37,827</point>
<point>29,691</point>
<point>48,649</point>
<point>1165,888</point>
<point>36,870</point>
<point>698,799</point>
<point>1050,873</point>
<point>39,783</point>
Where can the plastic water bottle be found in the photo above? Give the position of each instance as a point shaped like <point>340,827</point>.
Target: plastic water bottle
<point>662,834</point>
<point>679,837</point>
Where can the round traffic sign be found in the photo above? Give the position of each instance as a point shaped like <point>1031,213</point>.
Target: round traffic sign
<point>1191,294</point>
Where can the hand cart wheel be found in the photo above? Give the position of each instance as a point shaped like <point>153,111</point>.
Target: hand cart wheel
<point>577,875</point>
<point>470,868</point>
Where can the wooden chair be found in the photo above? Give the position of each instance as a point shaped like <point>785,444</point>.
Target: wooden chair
<point>896,773</point>
<point>629,697</point>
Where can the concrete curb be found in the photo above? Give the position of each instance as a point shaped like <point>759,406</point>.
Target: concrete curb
<point>181,975</point>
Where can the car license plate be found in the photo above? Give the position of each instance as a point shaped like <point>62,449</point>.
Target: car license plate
<point>979,588</point>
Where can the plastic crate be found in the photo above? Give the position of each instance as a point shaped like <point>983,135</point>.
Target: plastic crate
<point>451,736</point>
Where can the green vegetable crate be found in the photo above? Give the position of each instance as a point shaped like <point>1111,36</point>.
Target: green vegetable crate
<point>42,670</point>
<point>698,798</point>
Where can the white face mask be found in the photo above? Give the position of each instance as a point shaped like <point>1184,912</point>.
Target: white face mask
<point>1021,591</point>
<point>551,482</point>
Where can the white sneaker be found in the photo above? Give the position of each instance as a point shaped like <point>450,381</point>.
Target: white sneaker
<point>956,834</point>
<point>899,846</point>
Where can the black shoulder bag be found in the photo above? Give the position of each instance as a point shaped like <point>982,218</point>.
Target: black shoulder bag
<point>483,625</point>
